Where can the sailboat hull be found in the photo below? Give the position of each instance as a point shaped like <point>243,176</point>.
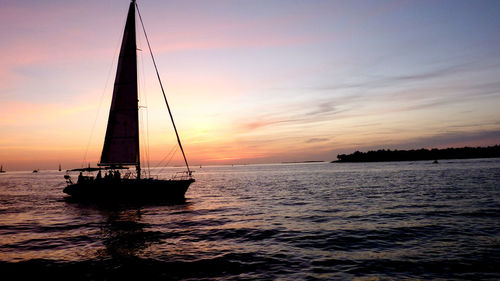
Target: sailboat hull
<point>150,190</point>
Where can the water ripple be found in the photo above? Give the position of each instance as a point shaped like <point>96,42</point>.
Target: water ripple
<point>289,222</point>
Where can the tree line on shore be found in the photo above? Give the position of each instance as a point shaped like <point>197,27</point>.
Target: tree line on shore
<point>421,154</point>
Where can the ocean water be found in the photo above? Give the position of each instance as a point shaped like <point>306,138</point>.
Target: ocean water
<point>368,221</point>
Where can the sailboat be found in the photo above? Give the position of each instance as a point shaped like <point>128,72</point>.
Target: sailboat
<point>1,169</point>
<point>121,143</point>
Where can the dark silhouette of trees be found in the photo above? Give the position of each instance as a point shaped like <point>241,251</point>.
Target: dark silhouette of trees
<point>421,154</point>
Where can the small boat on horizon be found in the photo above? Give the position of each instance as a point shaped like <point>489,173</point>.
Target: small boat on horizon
<point>35,171</point>
<point>1,169</point>
<point>121,144</point>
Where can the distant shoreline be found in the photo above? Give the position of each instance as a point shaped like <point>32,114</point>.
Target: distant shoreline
<point>384,155</point>
<point>300,162</point>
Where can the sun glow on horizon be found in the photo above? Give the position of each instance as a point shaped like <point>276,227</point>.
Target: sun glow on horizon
<point>251,82</point>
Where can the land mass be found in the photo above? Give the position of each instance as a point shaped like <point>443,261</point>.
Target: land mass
<point>300,162</point>
<point>420,154</point>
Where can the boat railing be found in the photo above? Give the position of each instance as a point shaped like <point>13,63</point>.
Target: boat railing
<point>185,175</point>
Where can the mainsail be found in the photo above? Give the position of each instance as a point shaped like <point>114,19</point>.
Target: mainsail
<point>121,144</point>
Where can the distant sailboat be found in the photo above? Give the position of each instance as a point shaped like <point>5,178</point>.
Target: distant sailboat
<point>59,167</point>
<point>1,169</point>
<point>121,144</point>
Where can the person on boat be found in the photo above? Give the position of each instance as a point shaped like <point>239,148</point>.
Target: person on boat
<point>80,178</point>
<point>99,176</point>
<point>117,175</point>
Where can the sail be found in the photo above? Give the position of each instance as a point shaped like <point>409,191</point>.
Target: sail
<point>121,144</point>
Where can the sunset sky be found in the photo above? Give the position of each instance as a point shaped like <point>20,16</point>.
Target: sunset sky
<point>251,81</point>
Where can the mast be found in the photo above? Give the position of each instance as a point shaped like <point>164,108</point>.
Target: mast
<point>163,91</point>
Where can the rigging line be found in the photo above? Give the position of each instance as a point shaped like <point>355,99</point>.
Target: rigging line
<point>168,162</point>
<point>170,155</point>
<point>143,96</point>
<point>142,129</point>
<point>147,140</point>
<point>172,150</point>
<point>146,109</point>
<point>147,143</point>
<point>163,91</point>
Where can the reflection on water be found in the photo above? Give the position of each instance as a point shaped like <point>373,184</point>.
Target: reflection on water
<point>122,231</point>
<point>123,234</point>
<point>297,221</point>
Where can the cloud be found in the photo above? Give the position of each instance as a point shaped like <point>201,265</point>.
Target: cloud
<point>327,107</point>
<point>458,138</point>
<point>259,124</point>
<point>372,82</point>
<point>315,140</point>
<point>441,85</point>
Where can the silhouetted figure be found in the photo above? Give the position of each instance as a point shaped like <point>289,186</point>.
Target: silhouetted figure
<point>117,175</point>
<point>99,176</point>
<point>80,178</point>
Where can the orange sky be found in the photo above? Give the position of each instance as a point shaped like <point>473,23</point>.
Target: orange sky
<point>251,82</point>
